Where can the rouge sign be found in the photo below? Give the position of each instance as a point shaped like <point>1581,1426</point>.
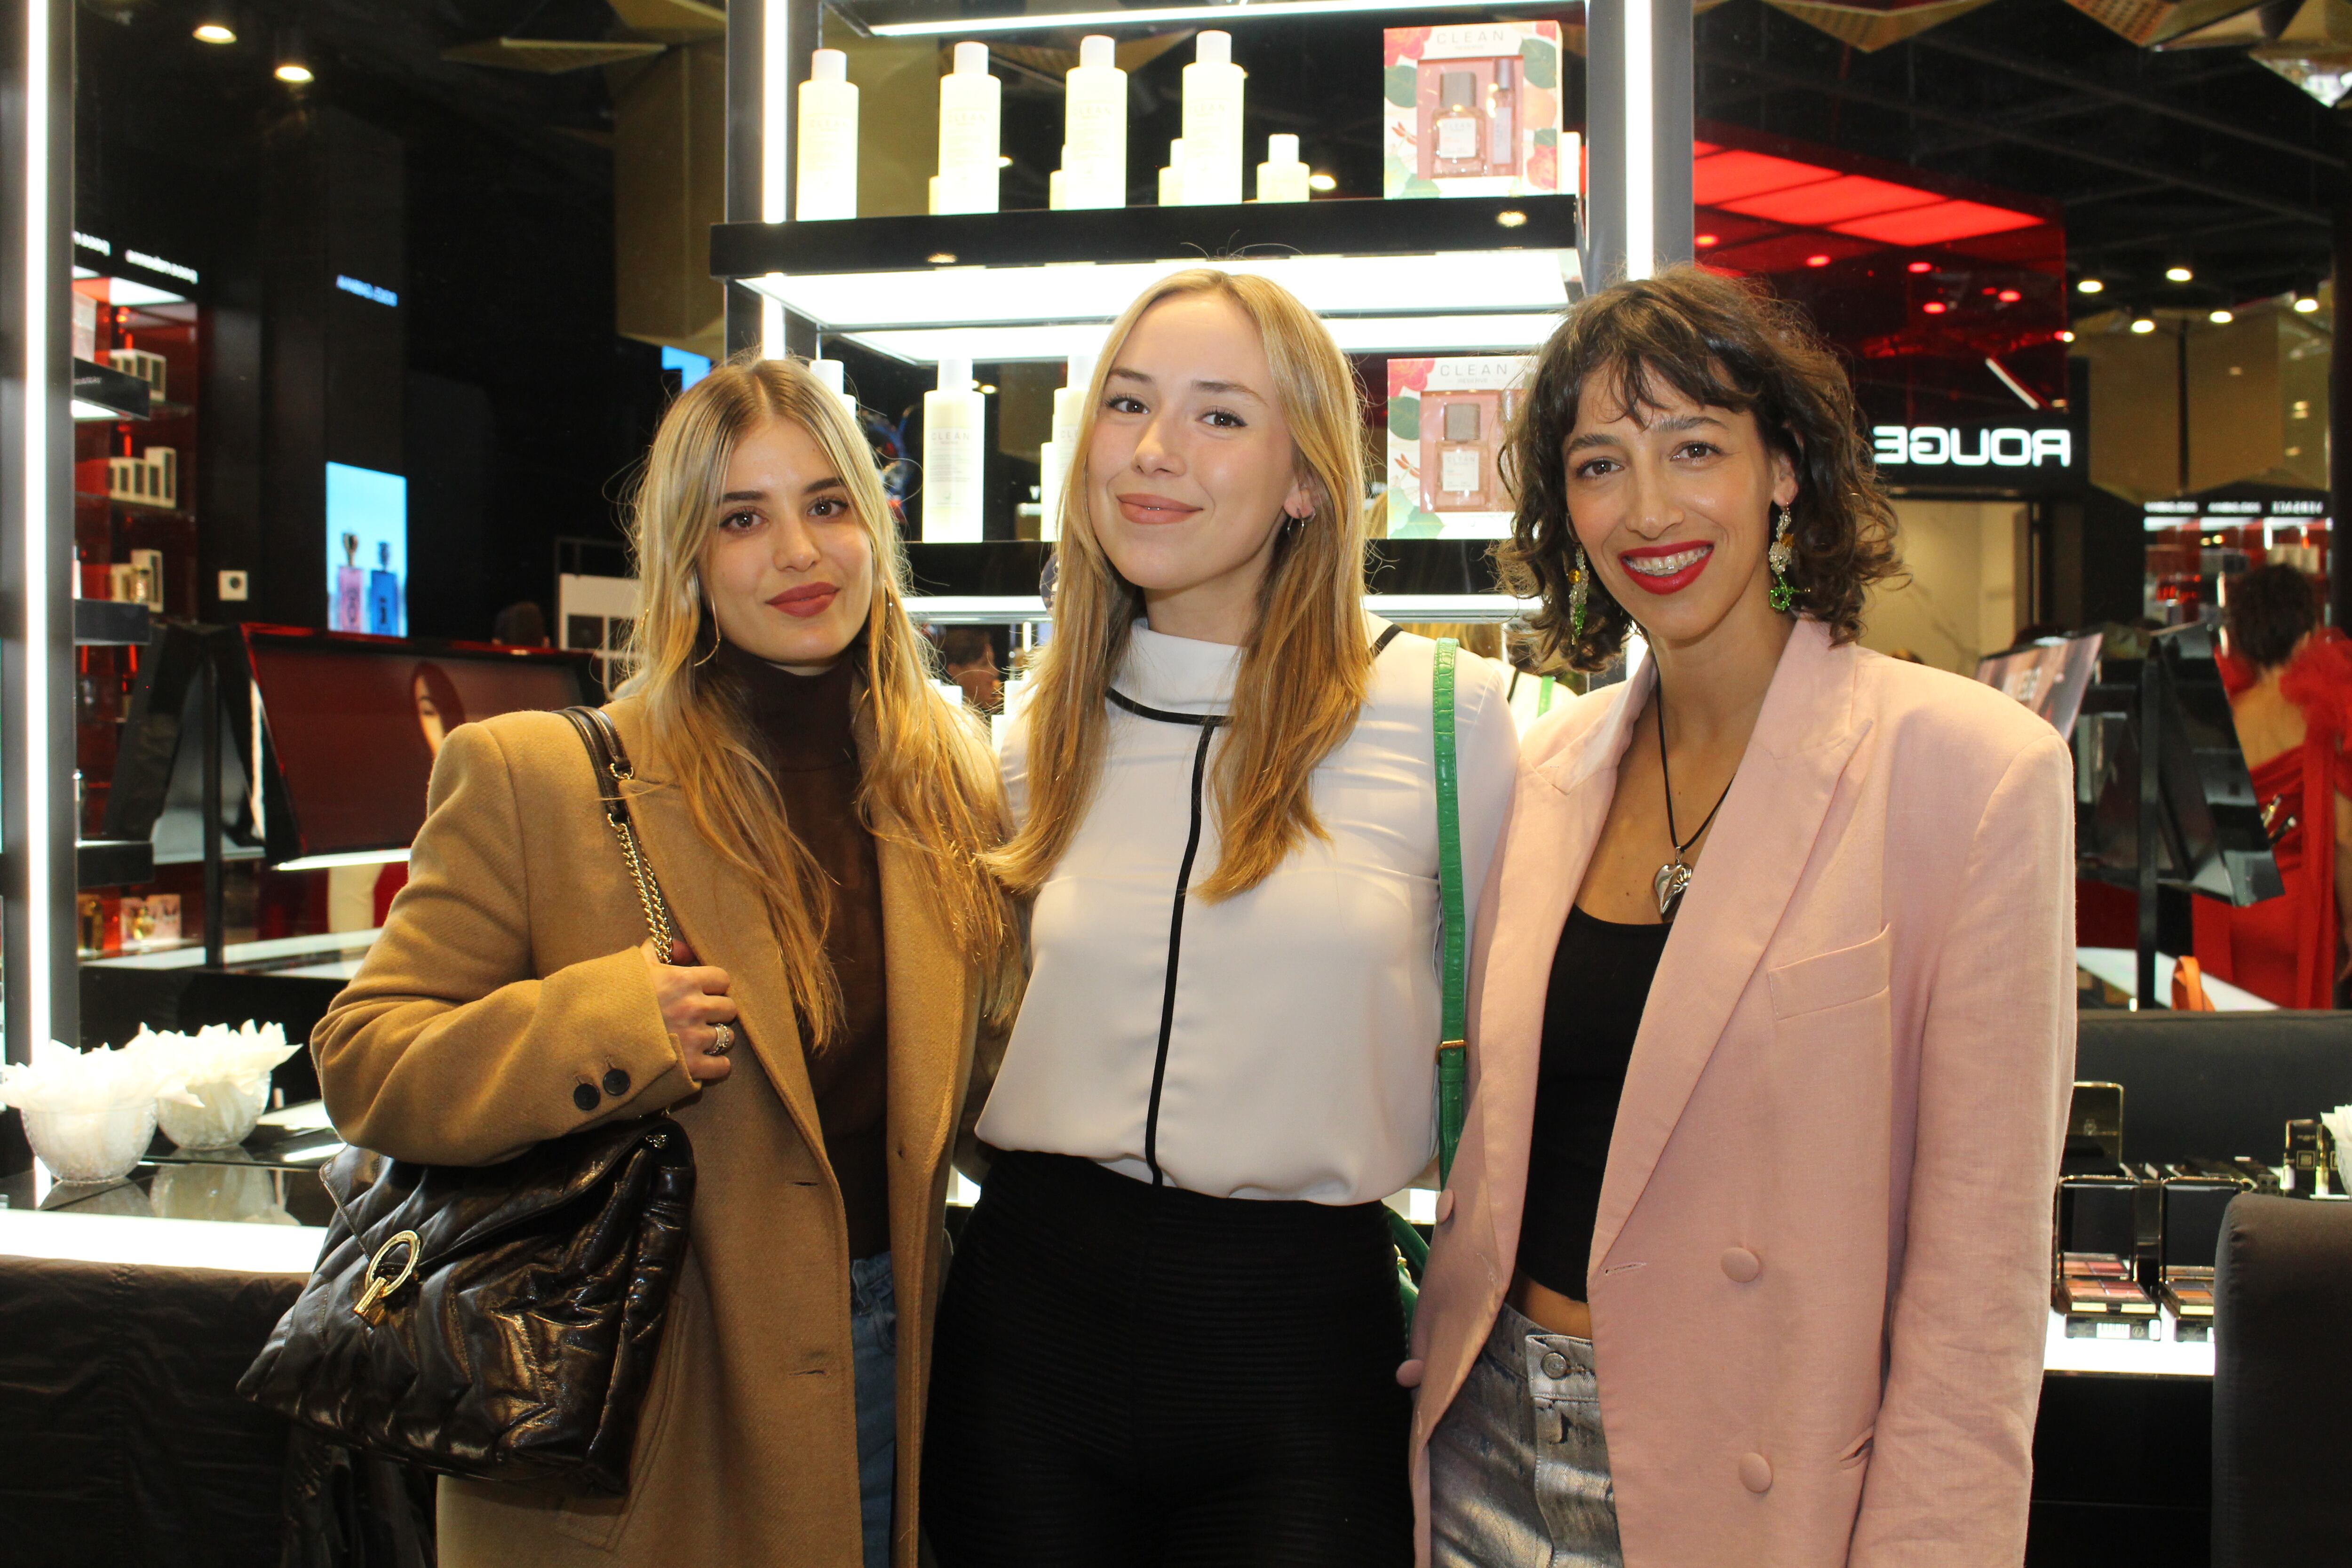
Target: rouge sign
<point>1936,446</point>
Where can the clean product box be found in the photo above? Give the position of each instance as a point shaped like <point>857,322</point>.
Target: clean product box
<point>1447,419</point>
<point>1473,111</point>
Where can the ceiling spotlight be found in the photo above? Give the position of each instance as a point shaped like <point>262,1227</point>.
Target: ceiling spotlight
<point>2090,286</point>
<point>293,60</point>
<point>2306,304</point>
<point>1512,218</point>
<point>1817,261</point>
<point>214,32</point>
<point>2143,325</point>
<point>2221,318</point>
<point>1319,182</point>
<point>1002,162</point>
<point>2008,296</point>
<point>1935,307</point>
<point>941,258</point>
<point>985,388</point>
<point>1706,241</point>
<point>1921,266</point>
<point>2065,337</point>
<point>2178,274</point>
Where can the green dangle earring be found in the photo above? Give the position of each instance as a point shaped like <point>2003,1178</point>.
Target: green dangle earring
<point>1578,581</point>
<point>1782,593</point>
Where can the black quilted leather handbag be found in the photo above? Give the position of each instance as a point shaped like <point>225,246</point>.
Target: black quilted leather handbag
<point>497,1322</point>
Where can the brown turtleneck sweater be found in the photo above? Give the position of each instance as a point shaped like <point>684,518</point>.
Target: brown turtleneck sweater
<point>805,722</point>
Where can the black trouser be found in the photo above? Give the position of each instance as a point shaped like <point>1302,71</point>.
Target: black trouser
<point>1126,1376</point>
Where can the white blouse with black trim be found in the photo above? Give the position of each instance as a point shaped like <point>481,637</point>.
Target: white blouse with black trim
<point>1282,1042</point>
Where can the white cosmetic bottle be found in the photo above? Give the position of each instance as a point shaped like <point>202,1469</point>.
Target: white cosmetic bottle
<point>953,419</point>
<point>1171,177</point>
<point>827,154</point>
<point>1213,124</point>
<point>1282,177</point>
<point>971,107</point>
<point>830,371</point>
<point>1059,455</point>
<point>1093,144</point>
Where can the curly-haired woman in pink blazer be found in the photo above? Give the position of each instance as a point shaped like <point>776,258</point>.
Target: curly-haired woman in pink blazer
<point>1744,1258</point>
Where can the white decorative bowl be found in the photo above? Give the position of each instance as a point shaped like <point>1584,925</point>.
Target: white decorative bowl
<point>224,1120</point>
<point>91,1145</point>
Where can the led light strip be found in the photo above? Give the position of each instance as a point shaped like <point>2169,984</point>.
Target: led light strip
<point>1641,128</point>
<point>39,931</point>
<point>1223,15</point>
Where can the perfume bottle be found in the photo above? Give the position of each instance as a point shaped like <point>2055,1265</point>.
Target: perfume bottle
<point>832,372</point>
<point>383,594</point>
<point>970,104</point>
<point>1458,132</point>
<point>953,418</point>
<point>1282,177</point>
<point>1461,458</point>
<point>827,154</point>
<point>1213,124</point>
<point>350,590</point>
<point>1503,120</point>
<point>1094,136</point>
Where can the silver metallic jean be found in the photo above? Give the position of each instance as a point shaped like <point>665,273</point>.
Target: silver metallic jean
<point>1518,1469</point>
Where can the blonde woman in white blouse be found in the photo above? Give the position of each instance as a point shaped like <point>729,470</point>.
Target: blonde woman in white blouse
<point>1172,1332</point>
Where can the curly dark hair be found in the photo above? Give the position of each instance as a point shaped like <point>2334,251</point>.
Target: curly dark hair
<point>2270,609</point>
<point>1721,344</point>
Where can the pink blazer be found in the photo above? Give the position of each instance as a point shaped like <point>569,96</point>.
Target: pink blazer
<point>1818,1275</point>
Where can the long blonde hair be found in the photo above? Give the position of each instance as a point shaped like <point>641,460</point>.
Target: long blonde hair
<point>1307,663</point>
<point>926,781</point>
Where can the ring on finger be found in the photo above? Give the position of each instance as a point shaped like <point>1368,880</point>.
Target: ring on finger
<point>722,1039</point>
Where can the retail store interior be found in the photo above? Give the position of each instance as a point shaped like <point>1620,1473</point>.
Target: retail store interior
<point>375,307</point>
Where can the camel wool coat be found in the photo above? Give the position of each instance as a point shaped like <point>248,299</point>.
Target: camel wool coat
<point>1820,1271</point>
<point>507,1002</point>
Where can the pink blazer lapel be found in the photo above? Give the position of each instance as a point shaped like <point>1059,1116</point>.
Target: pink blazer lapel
<point>1744,880</point>
<point>1555,822</point>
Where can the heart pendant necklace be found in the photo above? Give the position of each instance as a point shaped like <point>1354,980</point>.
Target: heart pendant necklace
<point>1673,877</point>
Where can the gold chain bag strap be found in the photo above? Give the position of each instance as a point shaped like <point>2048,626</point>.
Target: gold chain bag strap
<point>500,1321</point>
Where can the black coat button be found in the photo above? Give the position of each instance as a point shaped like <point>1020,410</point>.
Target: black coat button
<point>616,1083</point>
<point>584,1097</point>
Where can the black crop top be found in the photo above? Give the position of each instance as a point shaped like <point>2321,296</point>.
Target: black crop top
<point>1601,976</point>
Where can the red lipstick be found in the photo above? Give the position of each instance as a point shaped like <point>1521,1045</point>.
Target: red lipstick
<point>1665,568</point>
<point>808,600</point>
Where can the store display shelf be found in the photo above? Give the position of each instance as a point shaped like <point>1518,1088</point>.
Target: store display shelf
<point>111,623</point>
<point>103,393</point>
<point>113,862</point>
<point>1415,569</point>
<point>1414,610</point>
<point>918,18</point>
<point>1390,277</point>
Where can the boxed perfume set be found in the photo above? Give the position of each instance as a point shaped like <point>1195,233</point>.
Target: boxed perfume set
<point>1475,111</point>
<point>1447,419</point>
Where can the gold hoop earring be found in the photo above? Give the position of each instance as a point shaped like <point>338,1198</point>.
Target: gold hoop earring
<point>715,638</point>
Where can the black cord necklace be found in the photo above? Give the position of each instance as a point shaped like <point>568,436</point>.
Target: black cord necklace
<point>1673,877</point>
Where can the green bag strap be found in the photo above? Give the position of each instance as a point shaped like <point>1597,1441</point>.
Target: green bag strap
<point>1452,1069</point>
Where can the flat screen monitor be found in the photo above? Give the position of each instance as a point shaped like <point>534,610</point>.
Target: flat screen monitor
<point>2048,677</point>
<point>354,723</point>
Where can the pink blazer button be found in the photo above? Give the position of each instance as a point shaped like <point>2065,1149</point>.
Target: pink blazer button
<point>1409,1374</point>
<point>1446,1205</point>
<point>1756,1472</point>
<point>1743,1266</point>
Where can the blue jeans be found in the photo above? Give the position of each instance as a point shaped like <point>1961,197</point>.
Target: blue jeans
<point>874,1344</point>
<point>1519,1467</point>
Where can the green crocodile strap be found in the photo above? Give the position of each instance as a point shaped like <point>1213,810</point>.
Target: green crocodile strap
<point>1452,1071</point>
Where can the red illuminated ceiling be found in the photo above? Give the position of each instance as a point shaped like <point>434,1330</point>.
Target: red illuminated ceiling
<point>1875,212</point>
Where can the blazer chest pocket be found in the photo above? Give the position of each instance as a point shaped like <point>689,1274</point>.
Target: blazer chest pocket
<point>1833,978</point>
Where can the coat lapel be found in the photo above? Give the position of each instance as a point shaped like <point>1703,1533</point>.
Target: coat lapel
<point>1558,816</point>
<point>1745,876</point>
<point>721,917</point>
